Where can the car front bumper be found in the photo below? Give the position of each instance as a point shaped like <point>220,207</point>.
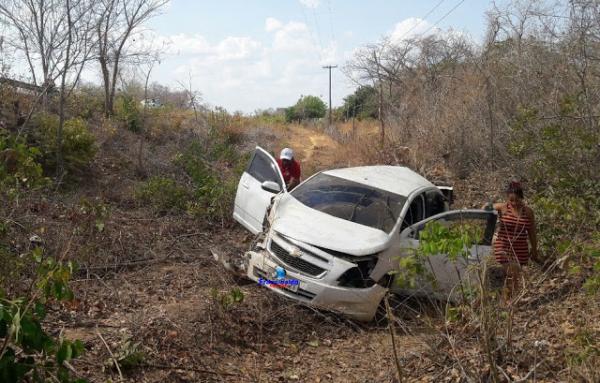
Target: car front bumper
<point>357,303</point>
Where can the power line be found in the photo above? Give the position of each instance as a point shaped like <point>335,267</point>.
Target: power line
<point>443,17</point>
<point>422,19</point>
<point>331,20</point>
<point>318,29</point>
<point>310,33</point>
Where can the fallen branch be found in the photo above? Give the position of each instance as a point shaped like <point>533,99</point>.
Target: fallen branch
<point>191,369</point>
<point>112,356</point>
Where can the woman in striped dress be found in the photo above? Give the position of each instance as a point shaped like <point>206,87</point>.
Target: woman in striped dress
<point>516,239</point>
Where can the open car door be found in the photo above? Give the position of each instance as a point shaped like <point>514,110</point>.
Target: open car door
<point>259,183</point>
<point>447,273</point>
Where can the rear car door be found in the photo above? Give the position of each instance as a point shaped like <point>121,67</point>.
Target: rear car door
<point>450,274</point>
<point>258,184</point>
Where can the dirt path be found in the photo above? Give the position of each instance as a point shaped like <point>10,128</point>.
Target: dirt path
<point>315,149</point>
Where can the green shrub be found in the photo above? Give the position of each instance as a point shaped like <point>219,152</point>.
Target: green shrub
<point>568,226</point>
<point>28,352</point>
<point>553,152</point>
<point>163,193</point>
<point>19,164</point>
<point>560,159</point>
<point>127,111</point>
<point>78,144</point>
<point>215,173</point>
<point>86,103</point>
<point>213,168</point>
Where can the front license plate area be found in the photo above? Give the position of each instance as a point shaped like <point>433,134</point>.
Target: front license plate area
<point>285,283</point>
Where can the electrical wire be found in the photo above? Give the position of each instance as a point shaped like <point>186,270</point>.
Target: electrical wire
<point>442,18</point>
<point>331,20</point>
<point>422,19</point>
<point>310,33</point>
<point>317,28</point>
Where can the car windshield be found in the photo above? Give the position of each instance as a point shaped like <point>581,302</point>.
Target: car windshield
<point>352,201</point>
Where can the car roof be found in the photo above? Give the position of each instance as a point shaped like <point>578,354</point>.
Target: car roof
<point>396,179</point>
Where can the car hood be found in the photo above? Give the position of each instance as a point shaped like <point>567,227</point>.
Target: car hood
<point>302,223</point>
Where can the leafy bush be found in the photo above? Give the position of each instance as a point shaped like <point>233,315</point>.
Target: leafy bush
<point>560,158</point>
<point>29,353</point>
<point>214,172</point>
<point>127,356</point>
<point>552,151</point>
<point>213,168</point>
<point>454,240</point>
<point>163,193</point>
<point>127,111</point>
<point>226,300</point>
<point>210,191</point>
<point>19,164</point>
<point>86,103</point>
<point>78,146</point>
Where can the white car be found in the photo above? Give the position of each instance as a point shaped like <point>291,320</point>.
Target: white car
<point>340,233</point>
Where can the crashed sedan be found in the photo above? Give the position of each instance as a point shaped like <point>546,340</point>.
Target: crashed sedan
<point>340,233</point>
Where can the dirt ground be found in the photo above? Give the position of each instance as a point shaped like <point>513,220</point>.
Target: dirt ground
<point>187,335</point>
<point>167,315</point>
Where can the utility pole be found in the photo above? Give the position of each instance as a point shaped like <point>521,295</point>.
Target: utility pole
<point>330,67</point>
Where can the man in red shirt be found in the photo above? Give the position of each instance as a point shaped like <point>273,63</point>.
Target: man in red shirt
<point>290,168</point>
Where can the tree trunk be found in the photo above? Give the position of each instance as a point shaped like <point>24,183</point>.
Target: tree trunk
<point>63,80</point>
<point>106,81</point>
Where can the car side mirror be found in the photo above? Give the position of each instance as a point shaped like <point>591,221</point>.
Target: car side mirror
<point>271,187</point>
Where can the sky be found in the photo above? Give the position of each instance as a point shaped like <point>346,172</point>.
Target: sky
<point>247,55</point>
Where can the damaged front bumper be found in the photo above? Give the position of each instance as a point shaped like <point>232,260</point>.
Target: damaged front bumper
<point>357,303</point>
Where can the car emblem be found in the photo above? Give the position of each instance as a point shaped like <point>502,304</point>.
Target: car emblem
<point>296,252</point>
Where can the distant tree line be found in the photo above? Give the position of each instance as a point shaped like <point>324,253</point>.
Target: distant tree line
<point>307,108</point>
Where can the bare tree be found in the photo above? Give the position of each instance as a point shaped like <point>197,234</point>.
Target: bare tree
<point>148,72</point>
<point>54,38</point>
<point>36,32</point>
<point>117,22</point>
<point>76,51</point>
<point>194,97</point>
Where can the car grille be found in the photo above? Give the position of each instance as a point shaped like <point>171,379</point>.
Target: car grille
<point>301,293</point>
<point>296,263</point>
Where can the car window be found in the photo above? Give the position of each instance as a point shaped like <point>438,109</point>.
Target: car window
<point>263,169</point>
<point>434,203</point>
<point>415,213</point>
<point>351,201</point>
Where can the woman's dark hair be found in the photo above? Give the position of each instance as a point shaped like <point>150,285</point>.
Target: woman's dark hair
<point>516,188</point>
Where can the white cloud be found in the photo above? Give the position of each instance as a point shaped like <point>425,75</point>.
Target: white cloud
<point>414,27</point>
<point>186,44</point>
<point>243,73</point>
<point>230,48</point>
<point>411,27</point>
<point>236,48</point>
<point>310,3</point>
<point>293,36</point>
<point>272,24</point>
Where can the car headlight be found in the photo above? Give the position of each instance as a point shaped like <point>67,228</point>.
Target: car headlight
<point>358,276</point>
